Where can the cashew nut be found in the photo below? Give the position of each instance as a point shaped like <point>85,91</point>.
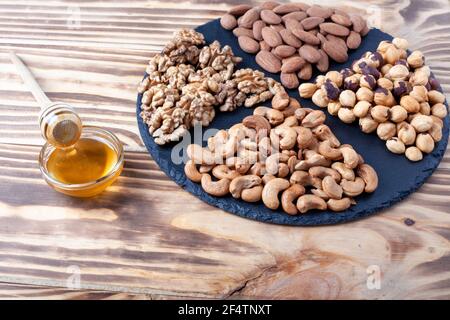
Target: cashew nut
<point>309,202</point>
<point>320,193</point>
<point>222,171</point>
<point>271,190</point>
<point>345,172</point>
<point>313,161</point>
<point>331,188</point>
<point>369,175</point>
<point>258,169</point>
<point>304,136</point>
<point>328,151</point>
<point>313,119</point>
<point>321,172</point>
<point>274,116</point>
<point>243,182</point>
<point>289,195</point>
<point>215,188</point>
<point>283,170</point>
<point>190,169</point>
<point>288,137</point>
<point>267,177</point>
<point>200,155</point>
<point>353,188</point>
<point>351,158</point>
<point>339,204</point>
<point>291,108</point>
<point>259,123</point>
<point>205,168</point>
<point>273,160</point>
<point>252,194</point>
<point>324,133</point>
<point>290,121</point>
<point>300,177</point>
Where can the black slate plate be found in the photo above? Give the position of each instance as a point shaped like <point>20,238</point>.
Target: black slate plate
<point>398,177</point>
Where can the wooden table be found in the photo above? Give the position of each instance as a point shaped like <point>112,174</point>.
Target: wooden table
<point>145,237</point>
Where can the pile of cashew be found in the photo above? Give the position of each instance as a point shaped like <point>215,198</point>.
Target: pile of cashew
<point>284,156</point>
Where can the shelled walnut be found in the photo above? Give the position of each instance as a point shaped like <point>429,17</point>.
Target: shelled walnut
<point>391,93</point>
<point>189,80</point>
<point>285,153</point>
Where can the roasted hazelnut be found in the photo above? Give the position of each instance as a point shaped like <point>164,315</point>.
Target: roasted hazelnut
<point>422,123</point>
<point>400,43</point>
<point>320,98</point>
<point>369,70</point>
<point>320,80</point>
<point>439,110</point>
<point>435,96</point>
<point>425,108</point>
<point>401,88</point>
<point>376,58</point>
<point>394,145</point>
<point>413,154</point>
<point>391,55</point>
<point>331,89</point>
<point>306,90</point>
<point>368,124</point>
<point>435,132</point>
<point>368,81</point>
<point>351,83</point>
<point>406,133</point>
<point>347,98</point>
<point>420,93</point>
<point>386,130</point>
<point>410,104</point>
<point>425,142</point>
<point>335,77</point>
<point>380,113</point>
<point>364,94</point>
<point>333,107</point>
<point>398,72</point>
<point>384,97</point>
<point>346,115</point>
<point>385,69</point>
<point>347,72</point>
<point>416,59</point>
<point>403,62</point>
<point>433,84</point>
<point>385,83</point>
<point>358,65</point>
<point>419,78</point>
<point>383,46</point>
<point>361,108</point>
<point>398,114</point>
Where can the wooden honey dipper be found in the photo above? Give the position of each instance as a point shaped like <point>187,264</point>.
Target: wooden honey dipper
<point>60,124</point>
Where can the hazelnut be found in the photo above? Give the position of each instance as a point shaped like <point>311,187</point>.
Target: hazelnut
<point>419,78</point>
<point>346,115</point>
<point>320,80</point>
<point>398,72</point>
<point>435,132</point>
<point>400,43</point>
<point>384,97</point>
<point>394,145</point>
<point>333,107</point>
<point>346,72</point>
<point>386,130</point>
<point>380,113</point>
<point>410,104</point>
<point>306,90</point>
<point>361,109</point>
<point>398,114</point>
<point>391,55</point>
<point>425,108</point>
<point>413,154</point>
<point>383,46</point>
<point>368,81</point>
<point>406,133</point>
<point>425,142</point>
<point>320,99</point>
<point>347,98</point>
<point>364,94</point>
<point>368,124</point>
<point>439,110</point>
<point>385,69</point>
<point>437,121</point>
<point>385,83</point>
<point>335,77</point>
<point>352,82</point>
<point>331,89</point>
<point>420,93</point>
<point>422,123</point>
<point>416,59</point>
<point>435,96</point>
<point>375,59</point>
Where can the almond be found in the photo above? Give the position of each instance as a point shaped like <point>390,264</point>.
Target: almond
<point>248,44</point>
<point>341,19</point>
<point>228,21</point>
<point>286,8</point>
<point>271,36</point>
<point>297,15</point>
<point>335,29</point>
<point>289,80</point>
<point>292,64</point>
<point>269,5</point>
<point>353,40</point>
<point>318,11</point>
<point>243,32</point>
<point>311,22</point>
<point>257,28</point>
<point>264,46</point>
<point>239,10</point>
<point>284,51</point>
<point>249,18</point>
<point>268,61</point>
<point>290,39</point>
<point>338,41</point>
<point>277,27</point>
<point>324,63</point>
<point>335,52</point>
<point>359,24</point>
<point>269,17</point>
<point>309,53</point>
<point>306,36</point>
<point>305,72</point>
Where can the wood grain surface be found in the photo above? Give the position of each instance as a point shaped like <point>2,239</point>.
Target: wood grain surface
<point>145,238</point>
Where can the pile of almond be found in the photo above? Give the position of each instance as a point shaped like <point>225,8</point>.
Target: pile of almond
<point>291,38</point>
<point>391,93</point>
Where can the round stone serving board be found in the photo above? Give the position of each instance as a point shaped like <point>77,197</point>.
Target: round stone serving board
<point>398,177</point>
